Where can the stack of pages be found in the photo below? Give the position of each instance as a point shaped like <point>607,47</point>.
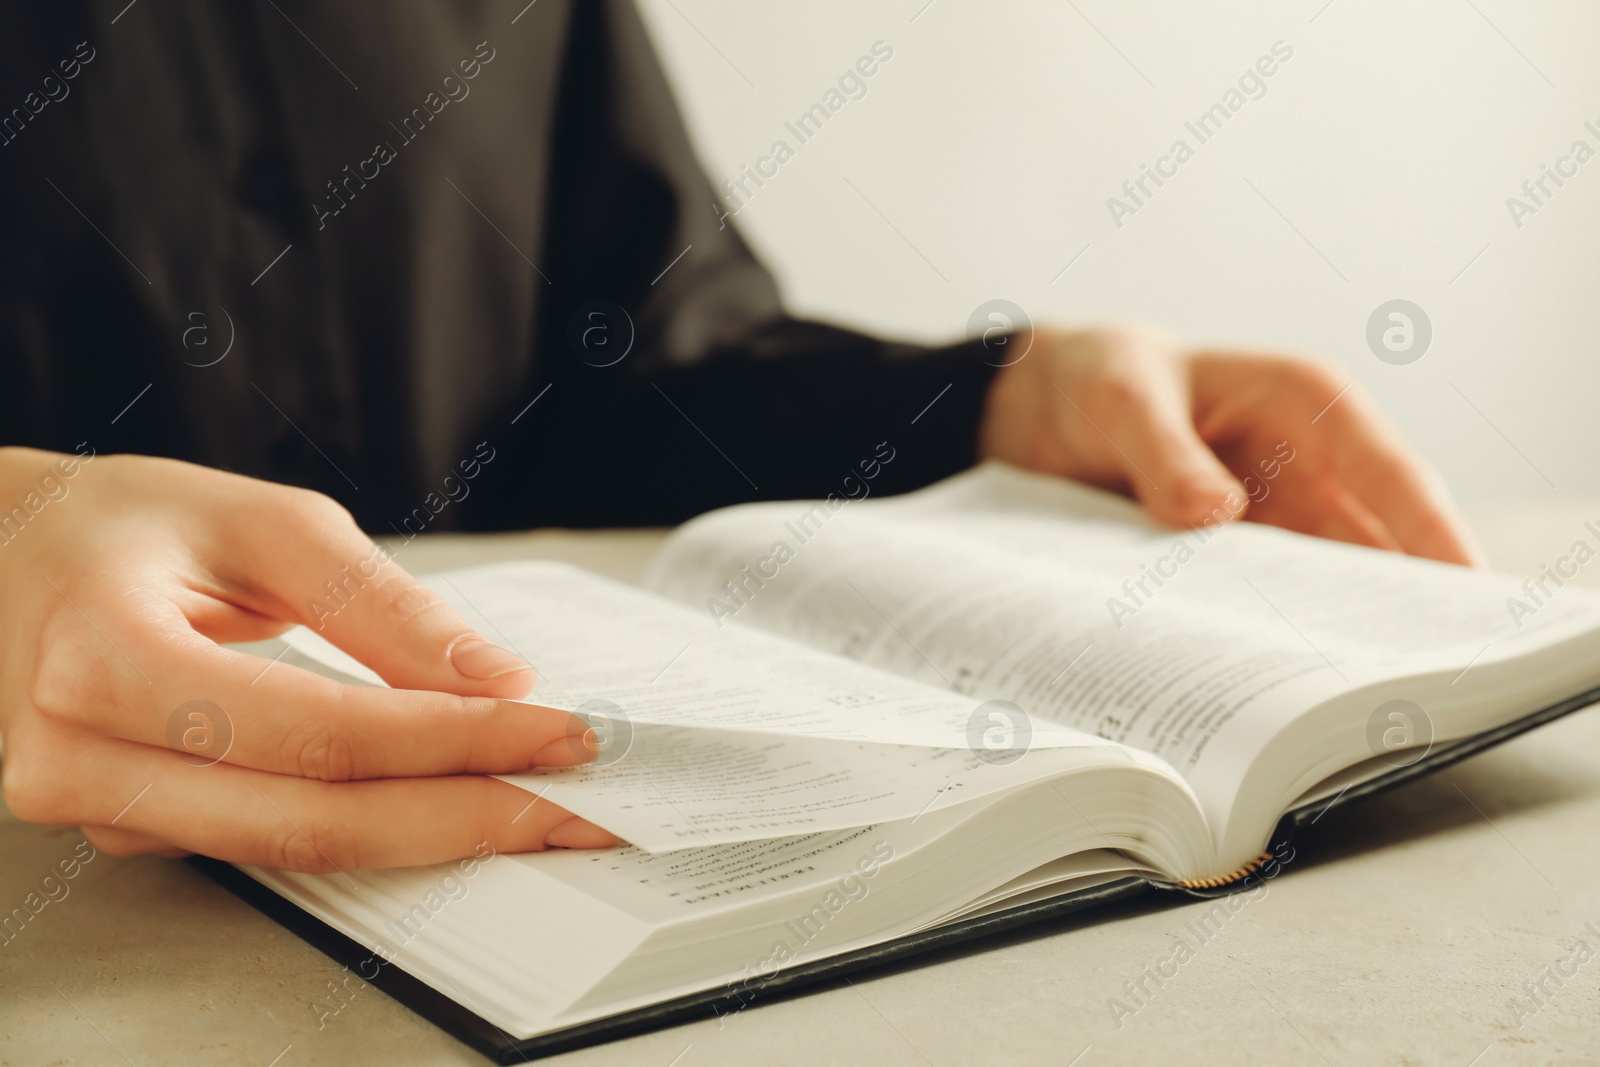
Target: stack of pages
<point>839,725</point>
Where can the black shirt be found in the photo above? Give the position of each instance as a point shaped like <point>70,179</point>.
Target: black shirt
<point>369,249</point>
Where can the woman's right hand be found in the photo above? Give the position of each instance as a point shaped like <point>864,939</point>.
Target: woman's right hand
<point>120,579</point>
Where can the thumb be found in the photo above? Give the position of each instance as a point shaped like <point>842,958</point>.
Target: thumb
<point>1173,473</point>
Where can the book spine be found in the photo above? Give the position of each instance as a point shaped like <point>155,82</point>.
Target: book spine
<point>1240,875</point>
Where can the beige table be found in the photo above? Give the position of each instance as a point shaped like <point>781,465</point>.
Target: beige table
<point>1399,935</point>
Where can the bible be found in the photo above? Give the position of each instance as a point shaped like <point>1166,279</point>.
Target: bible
<point>841,732</point>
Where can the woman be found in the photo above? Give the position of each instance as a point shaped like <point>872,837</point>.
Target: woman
<point>458,273</point>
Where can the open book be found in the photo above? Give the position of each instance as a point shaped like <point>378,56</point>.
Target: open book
<point>833,728</point>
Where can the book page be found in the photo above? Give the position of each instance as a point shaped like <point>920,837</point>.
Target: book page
<point>1194,646</point>
<point>691,883</point>
<point>684,787</point>
<point>717,735</point>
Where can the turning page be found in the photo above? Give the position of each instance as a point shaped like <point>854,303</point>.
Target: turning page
<point>723,734</point>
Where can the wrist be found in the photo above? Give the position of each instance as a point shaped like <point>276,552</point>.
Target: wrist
<point>1015,406</point>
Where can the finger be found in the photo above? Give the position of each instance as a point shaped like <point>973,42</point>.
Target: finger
<point>1237,389</point>
<point>1395,484</point>
<point>292,721</point>
<point>1400,491</point>
<point>326,574</point>
<point>1174,474</point>
<point>214,704</point>
<point>250,817</point>
<point>1336,515</point>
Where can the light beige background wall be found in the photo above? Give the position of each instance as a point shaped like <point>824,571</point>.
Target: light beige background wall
<point>1377,166</point>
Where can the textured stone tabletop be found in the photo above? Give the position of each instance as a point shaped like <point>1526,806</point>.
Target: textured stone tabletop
<point>1402,933</point>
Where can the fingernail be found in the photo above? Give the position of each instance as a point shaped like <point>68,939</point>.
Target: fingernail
<point>579,833</point>
<point>473,657</point>
<point>569,750</point>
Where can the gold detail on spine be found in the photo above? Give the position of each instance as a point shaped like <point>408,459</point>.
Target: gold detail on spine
<point>1228,879</point>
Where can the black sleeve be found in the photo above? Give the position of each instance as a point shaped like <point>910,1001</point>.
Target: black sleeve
<point>721,397</point>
